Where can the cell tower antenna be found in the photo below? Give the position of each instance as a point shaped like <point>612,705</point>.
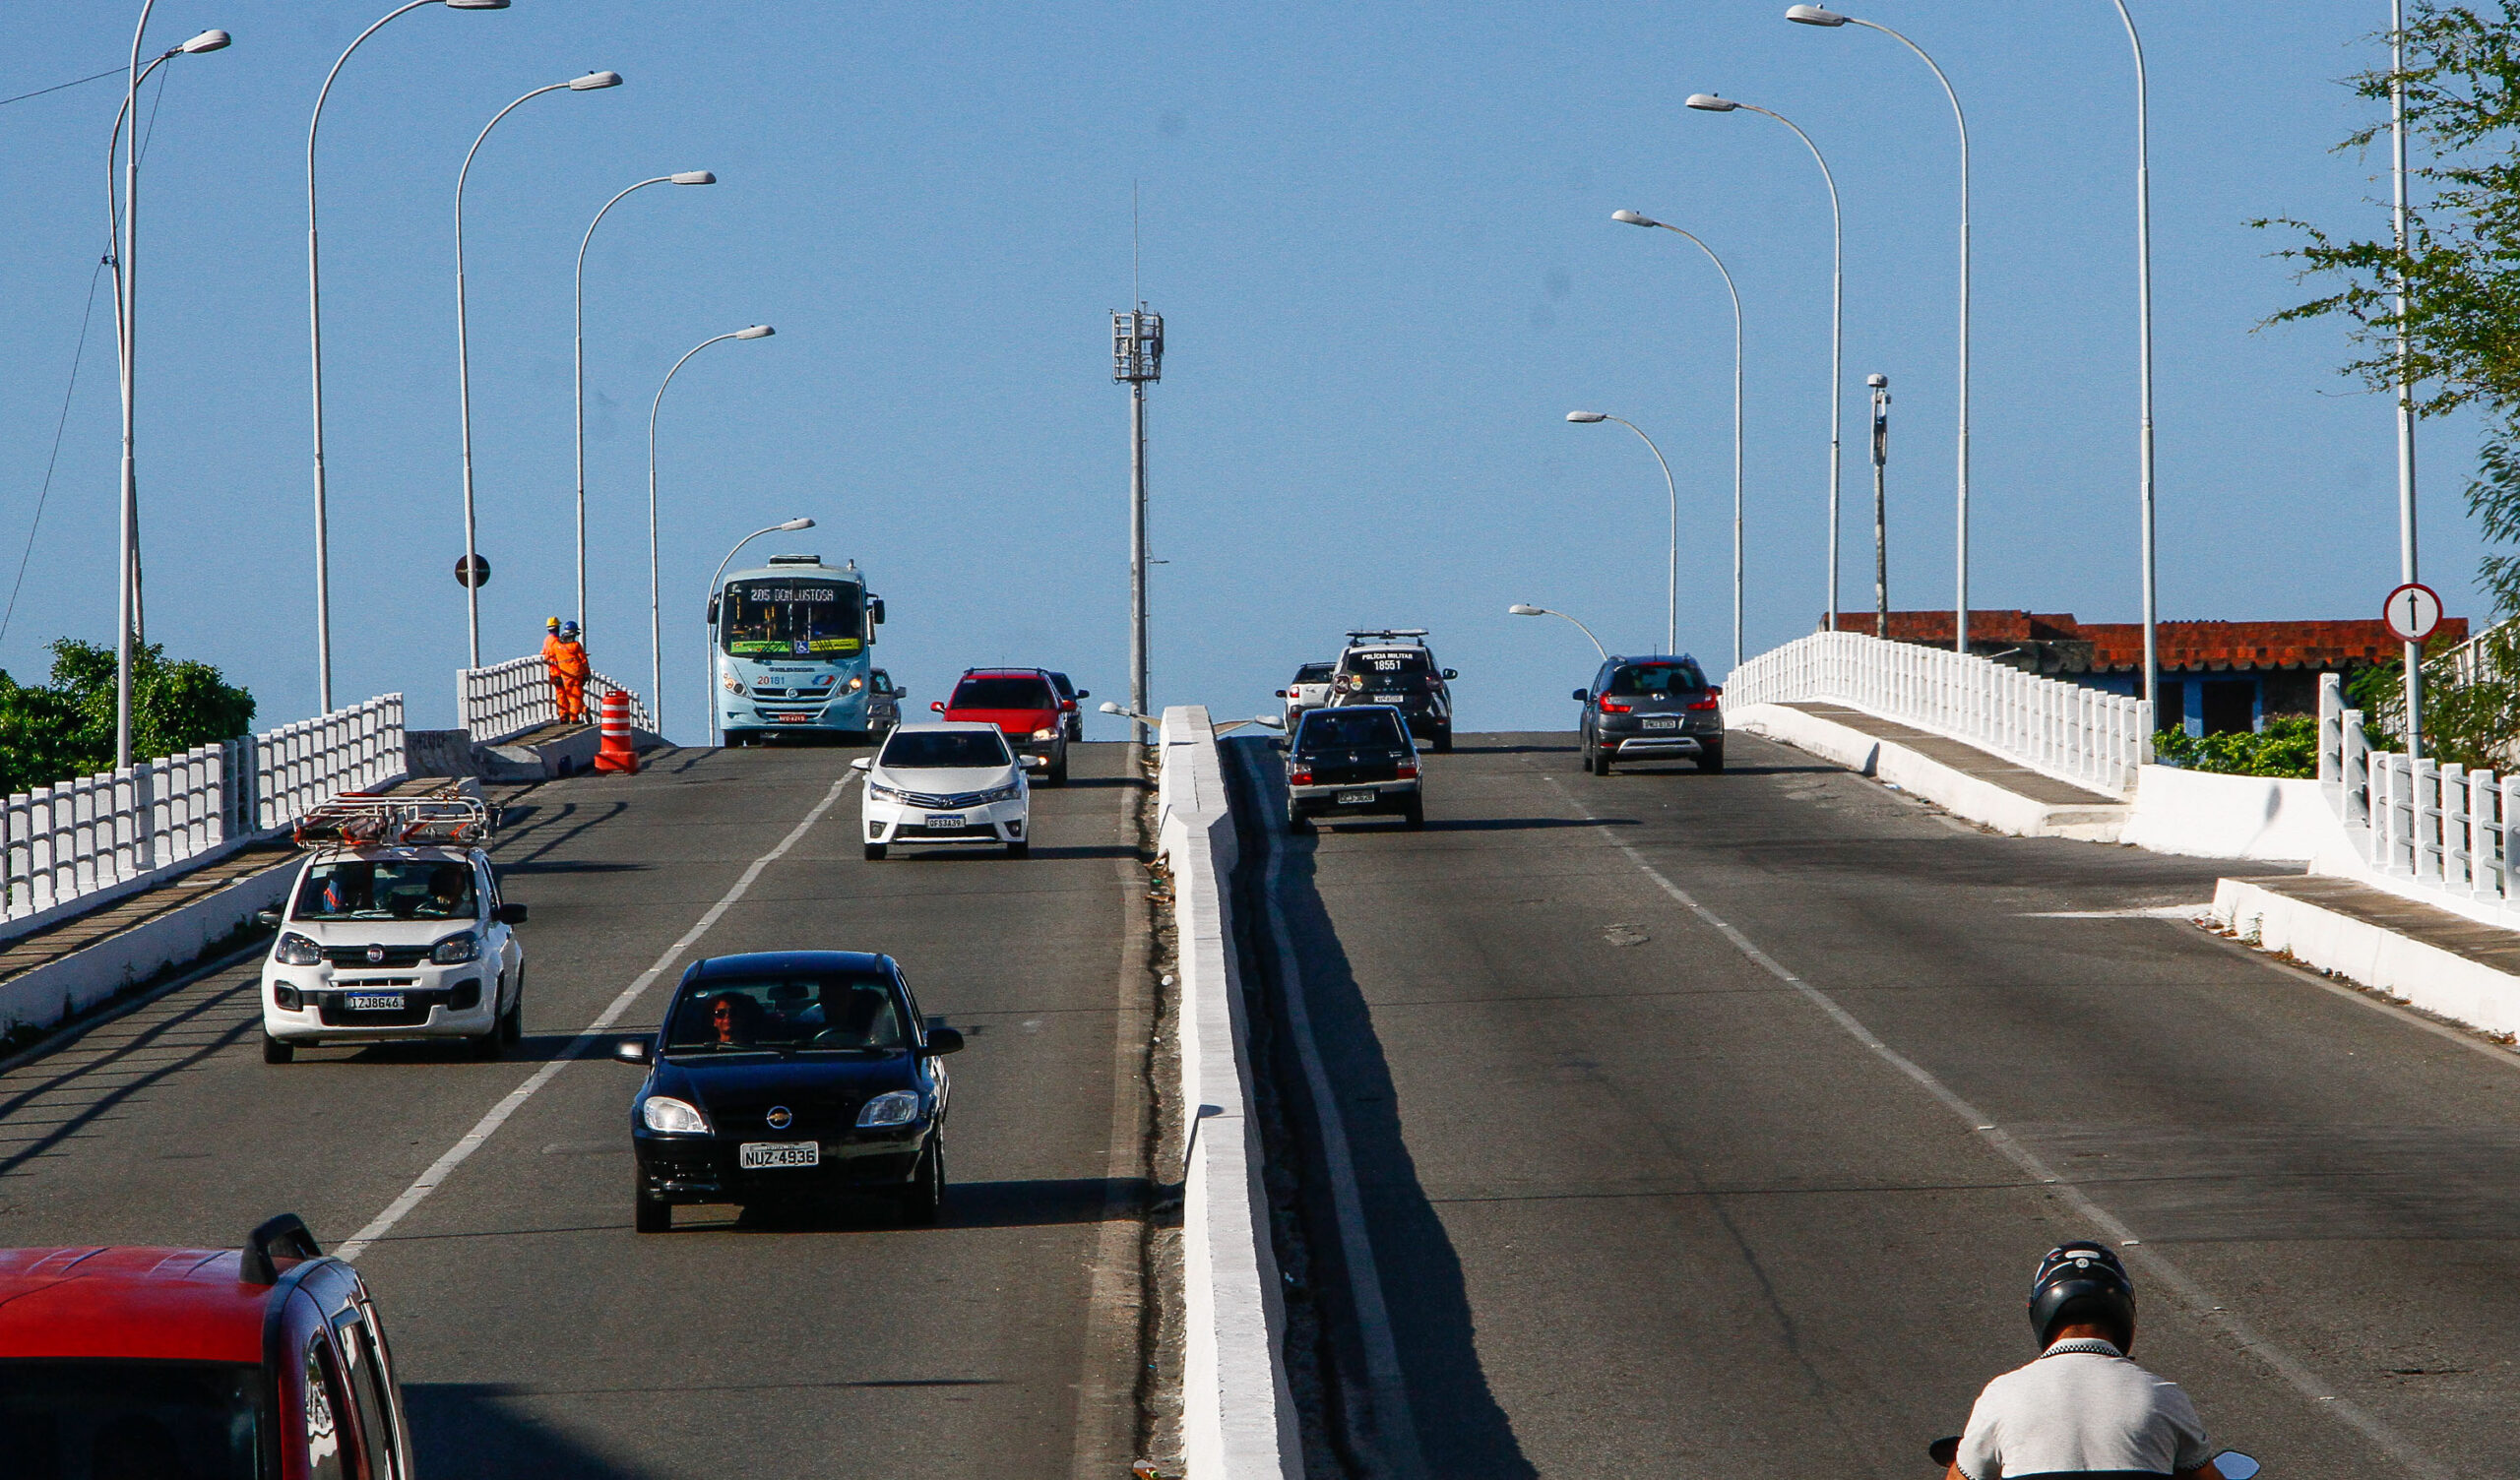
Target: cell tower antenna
<point>1134,296</point>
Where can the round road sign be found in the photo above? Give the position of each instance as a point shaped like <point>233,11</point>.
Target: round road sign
<point>475,570</point>
<point>2411,611</point>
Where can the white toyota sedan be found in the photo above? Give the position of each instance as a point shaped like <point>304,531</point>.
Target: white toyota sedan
<point>949,782</point>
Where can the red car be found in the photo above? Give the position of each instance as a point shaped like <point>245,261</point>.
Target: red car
<point>264,1363</point>
<point>1024,706</point>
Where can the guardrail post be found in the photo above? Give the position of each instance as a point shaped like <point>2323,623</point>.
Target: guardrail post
<point>2453,781</point>
<point>2425,823</point>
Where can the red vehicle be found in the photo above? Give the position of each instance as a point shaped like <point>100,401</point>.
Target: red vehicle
<point>1025,706</point>
<point>264,1363</point>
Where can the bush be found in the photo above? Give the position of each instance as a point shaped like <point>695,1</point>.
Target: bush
<point>66,727</point>
<point>2288,747</point>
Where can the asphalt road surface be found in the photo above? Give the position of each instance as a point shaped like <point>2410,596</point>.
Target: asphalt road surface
<point>535,1334</point>
<point>1742,1170</point>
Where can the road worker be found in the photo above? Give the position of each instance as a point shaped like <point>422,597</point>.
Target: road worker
<point>566,659</point>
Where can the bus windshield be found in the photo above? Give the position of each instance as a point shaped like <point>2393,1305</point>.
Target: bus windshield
<point>792,618</point>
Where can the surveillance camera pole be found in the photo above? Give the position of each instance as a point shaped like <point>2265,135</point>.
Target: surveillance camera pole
<point>1137,360</point>
<point>1880,508</point>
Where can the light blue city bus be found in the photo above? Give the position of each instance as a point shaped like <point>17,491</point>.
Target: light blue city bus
<point>791,647</point>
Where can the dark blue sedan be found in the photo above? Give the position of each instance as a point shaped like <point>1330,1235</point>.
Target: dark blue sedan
<point>787,1077</point>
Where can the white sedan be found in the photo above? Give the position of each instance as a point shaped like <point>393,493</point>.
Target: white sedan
<point>948,782</point>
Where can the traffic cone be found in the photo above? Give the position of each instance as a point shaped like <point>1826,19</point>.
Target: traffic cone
<point>617,752</point>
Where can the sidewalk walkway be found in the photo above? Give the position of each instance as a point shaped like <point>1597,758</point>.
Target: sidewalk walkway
<point>2442,962</point>
<point>1968,760</point>
<point>1977,784</point>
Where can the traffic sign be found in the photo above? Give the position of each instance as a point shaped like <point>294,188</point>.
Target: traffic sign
<point>2411,611</point>
<point>475,570</point>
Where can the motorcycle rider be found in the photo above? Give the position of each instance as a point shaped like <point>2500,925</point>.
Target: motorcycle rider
<point>2083,1407</point>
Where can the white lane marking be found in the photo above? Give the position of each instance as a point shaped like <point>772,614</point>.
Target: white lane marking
<point>2156,913</point>
<point>1396,1425</point>
<point>2206,1307</point>
<point>488,1125</point>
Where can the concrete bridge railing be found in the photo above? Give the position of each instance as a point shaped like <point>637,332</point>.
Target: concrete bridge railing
<point>2064,730</point>
<point>506,699</point>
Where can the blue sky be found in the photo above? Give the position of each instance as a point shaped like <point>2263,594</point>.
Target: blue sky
<point>1380,239</point>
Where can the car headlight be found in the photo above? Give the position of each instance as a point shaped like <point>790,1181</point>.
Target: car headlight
<point>882,793</point>
<point>456,949</point>
<point>897,1107</point>
<point>855,684</point>
<point>732,684</point>
<point>1005,794</point>
<point>662,1112</point>
<point>1044,734</point>
<point>295,949</point>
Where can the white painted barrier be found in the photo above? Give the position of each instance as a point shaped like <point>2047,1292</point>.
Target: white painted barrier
<point>506,699</point>
<point>2064,730</point>
<point>75,844</point>
<point>2205,815</point>
<point>1237,1416</point>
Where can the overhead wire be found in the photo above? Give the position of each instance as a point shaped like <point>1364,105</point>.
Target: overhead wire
<point>57,87</point>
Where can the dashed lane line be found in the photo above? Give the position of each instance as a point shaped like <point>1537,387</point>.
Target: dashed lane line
<point>488,1125</point>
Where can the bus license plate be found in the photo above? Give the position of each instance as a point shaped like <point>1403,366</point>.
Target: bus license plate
<point>1661,724</point>
<point>945,820</point>
<point>1355,799</point>
<point>791,719</point>
<point>755,1155</point>
<point>375,1002</point>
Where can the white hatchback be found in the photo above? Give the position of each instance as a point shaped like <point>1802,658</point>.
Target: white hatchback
<point>949,782</point>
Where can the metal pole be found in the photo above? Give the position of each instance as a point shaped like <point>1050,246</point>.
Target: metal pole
<point>1880,510</point>
<point>655,620</point>
<point>1672,599</point>
<point>580,373</point>
<point>315,359</point>
<point>1137,560</point>
<point>1585,631</point>
<point>2144,351</point>
<point>128,510</point>
<point>715,736</point>
<point>1737,426</point>
<point>1836,343</point>
<point>2407,569</point>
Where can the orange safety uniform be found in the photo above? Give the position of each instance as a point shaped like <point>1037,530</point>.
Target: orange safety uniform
<point>567,662</point>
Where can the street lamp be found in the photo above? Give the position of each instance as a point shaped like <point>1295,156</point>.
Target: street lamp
<point>2144,351</point>
<point>126,300</point>
<point>590,83</point>
<point>1519,609</point>
<point>715,737</point>
<point>1814,15</point>
<point>1708,102</point>
<point>686,177</point>
<point>656,623</point>
<point>1672,608</point>
<point>315,354</point>
<point>1636,218</point>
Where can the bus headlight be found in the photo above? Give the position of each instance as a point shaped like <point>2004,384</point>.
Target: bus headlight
<point>857,683</point>
<point>732,684</point>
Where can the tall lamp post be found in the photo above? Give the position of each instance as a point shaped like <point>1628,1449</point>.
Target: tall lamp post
<point>2144,358</point>
<point>120,236</point>
<point>655,622</point>
<point>1672,601</point>
<point>1708,102</point>
<point>1814,15</point>
<point>315,352</point>
<point>1519,609</point>
<point>2414,651</point>
<point>686,177</point>
<point>712,676</point>
<point>591,81</point>
<point>1635,219</point>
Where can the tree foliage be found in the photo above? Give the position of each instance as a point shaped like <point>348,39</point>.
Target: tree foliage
<point>65,727</point>
<point>2288,746</point>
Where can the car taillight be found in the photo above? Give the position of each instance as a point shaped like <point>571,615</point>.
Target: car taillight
<point>1301,776</point>
<point>1710,701</point>
<point>1609,706</point>
<point>1408,771</point>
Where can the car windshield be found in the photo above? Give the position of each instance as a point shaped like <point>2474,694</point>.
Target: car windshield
<point>792,618</point>
<point>1350,729</point>
<point>1399,660</point>
<point>1003,694</point>
<point>1657,679</point>
<point>387,888</point>
<point>944,750</point>
<point>1315,673</point>
<point>108,1420</point>
<point>845,1013</point>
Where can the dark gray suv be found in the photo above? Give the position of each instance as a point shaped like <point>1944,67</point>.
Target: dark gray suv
<point>1642,708</point>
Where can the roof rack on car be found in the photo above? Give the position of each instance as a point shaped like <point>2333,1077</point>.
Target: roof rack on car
<point>446,815</point>
<point>1386,632</point>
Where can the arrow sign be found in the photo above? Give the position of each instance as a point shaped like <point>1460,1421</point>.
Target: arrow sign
<point>2411,611</point>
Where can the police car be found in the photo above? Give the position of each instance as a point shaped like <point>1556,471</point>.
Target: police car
<point>1394,666</point>
<point>394,929</point>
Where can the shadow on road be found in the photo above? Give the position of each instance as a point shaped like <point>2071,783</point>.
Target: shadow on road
<point>478,1429</point>
<point>1521,823</point>
<point>1461,1431</point>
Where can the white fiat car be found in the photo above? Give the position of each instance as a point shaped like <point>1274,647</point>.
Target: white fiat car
<point>954,781</point>
<point>394,929</point>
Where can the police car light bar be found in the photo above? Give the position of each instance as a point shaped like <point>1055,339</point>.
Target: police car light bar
<point>1388,631</point>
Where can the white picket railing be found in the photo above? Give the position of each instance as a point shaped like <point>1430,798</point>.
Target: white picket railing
<point>2435,830</point>
<point>2066,730</point>
<point>69,843</point>
<point>506,699</point>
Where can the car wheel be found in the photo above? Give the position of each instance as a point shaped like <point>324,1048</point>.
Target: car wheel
<point>490,1044</point>
<point>1601,760</point>
<point>923,1200</point>
<point>648,1213</point>
<point>1057,774</point>
<point>278,1051</point>
<point>1711,758</point>
<point>512,1021</point>
<point>1444,740</point>
<point>874,852</point>
<point>1296,822</point>
<point>1416,816</point>
<point>1019,849</point>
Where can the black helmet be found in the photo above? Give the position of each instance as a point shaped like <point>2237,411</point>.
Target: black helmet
<point>2082,1282</point>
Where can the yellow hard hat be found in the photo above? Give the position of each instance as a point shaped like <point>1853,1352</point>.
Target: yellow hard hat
<point>551,626</point>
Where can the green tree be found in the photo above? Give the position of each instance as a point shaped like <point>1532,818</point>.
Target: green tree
<point>65,728</point>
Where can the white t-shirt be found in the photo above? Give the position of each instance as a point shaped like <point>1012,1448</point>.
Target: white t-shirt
<point>2081,1409</point>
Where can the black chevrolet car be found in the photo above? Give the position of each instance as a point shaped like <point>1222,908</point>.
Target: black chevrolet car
<point>1355,759</point>
<point>789,1075</point>
<point>1652,708</point>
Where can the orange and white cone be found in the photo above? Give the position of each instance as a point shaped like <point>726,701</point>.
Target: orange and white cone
<point>617,752</point>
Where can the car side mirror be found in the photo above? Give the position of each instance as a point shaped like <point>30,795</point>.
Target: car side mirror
<point>633,1051</point>
<point>1085,693</point>
<point>875,611</point>
<point>270,917</point>
<point>1451,673</point>
<point>937,704</point>
<point>511,915</point>
<point>1282,693</point>
<point>860,763</point>
<point>1036,763</point>
<point>1583,696</point>
<point>944,1040</point>
<point>713,611</point>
